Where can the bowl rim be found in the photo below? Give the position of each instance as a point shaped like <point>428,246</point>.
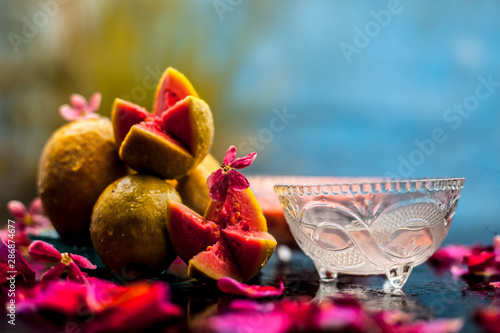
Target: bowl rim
<point>377,184</point>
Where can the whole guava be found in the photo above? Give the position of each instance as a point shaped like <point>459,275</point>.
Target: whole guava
<point>129,229</point>
<point>78,162</point>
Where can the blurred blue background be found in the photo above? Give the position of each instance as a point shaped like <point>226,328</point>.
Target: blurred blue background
<point>391,88</point>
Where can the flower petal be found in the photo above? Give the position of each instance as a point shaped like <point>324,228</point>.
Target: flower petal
<point>458,270</point>
<point>213,177</point>
<point>274,322</point>
<point>488,318</point>
<point>237,181</point>
<point>495,284</point>
<point>230,155</point>
<point>219,188</point>
<point>36,207</point>
<point>496,242</point>
<point>231,286</point>
<point>95,102</point>
<point>44,252</point>
<point>75,274</point>
<point>41,221</point>
<point>62,297</point>
<point>68,113</point>
<point>54,273</point>
<point>136,308</point>
<point>82,261</point>
<point>21,266</point>
<point>449,255</point>
<point>243,162</point>
<point>79,102</point>
<point>17,209</point>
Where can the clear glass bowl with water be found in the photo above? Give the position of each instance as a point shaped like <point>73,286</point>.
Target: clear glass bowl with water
<point>367,226</point>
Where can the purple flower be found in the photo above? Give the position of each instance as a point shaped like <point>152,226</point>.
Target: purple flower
<point>233,287</point>
<point>81,110</point>
<point>64,262</point>
<point>31,219</point>
<point>220,181</point>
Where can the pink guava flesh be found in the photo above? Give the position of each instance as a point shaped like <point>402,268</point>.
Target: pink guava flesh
<point>214,263</point>
<point>178,124</point>
<point>125,116</point>
<point>195,232</point>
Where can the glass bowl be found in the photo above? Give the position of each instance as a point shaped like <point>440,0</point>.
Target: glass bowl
<point>366,226</point>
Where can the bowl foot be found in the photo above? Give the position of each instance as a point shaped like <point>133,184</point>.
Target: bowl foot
<point>325,274</point>
<point>398,274</point>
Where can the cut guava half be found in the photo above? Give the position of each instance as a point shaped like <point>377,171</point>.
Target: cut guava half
<point>169,143</point>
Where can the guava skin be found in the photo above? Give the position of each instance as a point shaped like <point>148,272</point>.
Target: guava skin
<point>193,187</point>
<point>78,162</point>
<point>128,227</point>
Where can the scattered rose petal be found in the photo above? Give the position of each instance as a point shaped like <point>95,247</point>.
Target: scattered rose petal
<point>111,307</point>
<point>231,286</point>
<point>221,180</point>
<point>449,255</point>
<point>64,262</point>
<point>21,266</point>
<point>81,110</point>
<point>496,242</point>
<point>462,260</point>
<point>488,318</point>
<point>331,315</point>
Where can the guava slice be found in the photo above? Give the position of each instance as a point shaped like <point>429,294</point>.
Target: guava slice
<point>236,229</point>
<point>168,146</point>
<point>214,263</point>
<point>171,141</point>
<point>196,232</point>
<point>173,87</point>
<point>125,115</point>
<point>250,250</point>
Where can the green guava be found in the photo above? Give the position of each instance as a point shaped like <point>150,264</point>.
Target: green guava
<point>78,162</point>
<point>128,227</point>
<point>193,187</point>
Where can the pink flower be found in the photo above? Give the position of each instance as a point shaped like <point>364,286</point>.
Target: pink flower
<point>220,181</point>
<point>233,287</point>
<point>81,110</point>
<point>99,306</point>
<point>64,262</point>
<point>12,263</point>
<point>31,219</point>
